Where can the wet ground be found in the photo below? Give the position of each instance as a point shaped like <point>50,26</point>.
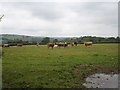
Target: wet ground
<point>102,81</point>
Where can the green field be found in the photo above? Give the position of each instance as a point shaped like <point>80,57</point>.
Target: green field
<point>0,68</point>
<point>40,67</point>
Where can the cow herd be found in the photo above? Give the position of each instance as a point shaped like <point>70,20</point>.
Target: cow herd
<point>52,45</point>
<point>8,45</point>
<point>65,44</point>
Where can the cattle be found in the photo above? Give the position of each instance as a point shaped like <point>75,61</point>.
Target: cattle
<point>88,44</point>
<point>50,45</point>
<point>19,45</point>
<point>75,43</point>
<point>5,45</point>
<point>62,44</point>
<point>68,43</point>
<point>55,45</point>
<point>72,44</point>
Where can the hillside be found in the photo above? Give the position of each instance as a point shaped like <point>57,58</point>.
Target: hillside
<point>14,37</point>
<point>20,37</point>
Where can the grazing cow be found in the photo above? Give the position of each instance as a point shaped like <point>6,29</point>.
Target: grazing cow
<point>62,44</point>
<point>75,43</point>
<point>68,43</point>
<point>5,45</point>
<point>55,45</point>
<point>88,44</point>
<point>19,45</point>
<point>65,44</point>
<point>72,44</point>
<point>50,45</point>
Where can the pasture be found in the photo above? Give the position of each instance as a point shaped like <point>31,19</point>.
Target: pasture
<point>40,67</point>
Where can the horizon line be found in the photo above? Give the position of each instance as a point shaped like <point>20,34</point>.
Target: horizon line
<point>61,36</point>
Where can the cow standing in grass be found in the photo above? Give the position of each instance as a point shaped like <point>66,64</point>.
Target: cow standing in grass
<point>55,45</point>
<point>19,45</point>
<point>75,43</point>
<point>65,44</point>
<point>88,44</point>
<point>62,44</point>
<point>72,44</point>
<point>5,45</point>
<point>50,45</point>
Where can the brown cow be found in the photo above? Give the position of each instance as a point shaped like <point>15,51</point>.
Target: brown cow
<point>50,45</point>
<point>88,44</point>
<point>19,45</point>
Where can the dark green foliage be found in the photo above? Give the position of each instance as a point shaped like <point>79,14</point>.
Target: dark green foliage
<point>45,40</point>
<point>30,40</point>
<point>55,40</point>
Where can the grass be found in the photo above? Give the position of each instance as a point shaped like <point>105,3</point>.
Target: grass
<point>0,73</point>
<point>40,67</point>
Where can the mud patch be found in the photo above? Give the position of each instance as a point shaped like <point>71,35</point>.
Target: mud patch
<point>102,81</point>
<point>85,71</point>
<point>90,69</point>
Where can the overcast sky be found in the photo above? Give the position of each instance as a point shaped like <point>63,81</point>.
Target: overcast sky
<point>60,18</point>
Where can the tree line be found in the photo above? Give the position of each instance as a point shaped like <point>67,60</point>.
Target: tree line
<point>79,40</point>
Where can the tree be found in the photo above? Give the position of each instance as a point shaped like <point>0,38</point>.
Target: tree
<point>118,39</point>
<point>55,40</point>
<point>1,17</point>
<point>45,40</point>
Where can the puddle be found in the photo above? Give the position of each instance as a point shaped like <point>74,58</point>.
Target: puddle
<point>102,81</point>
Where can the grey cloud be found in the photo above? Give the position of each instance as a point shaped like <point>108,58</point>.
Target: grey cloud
<point>48,11</point>
<point>101,12</point>
<point>61,19</point>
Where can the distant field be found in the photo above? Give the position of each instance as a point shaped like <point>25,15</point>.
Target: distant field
<point>40,67</point>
